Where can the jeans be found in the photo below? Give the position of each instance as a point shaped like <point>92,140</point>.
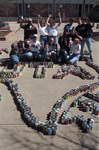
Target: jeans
<point>53,55</point>
<point>73,58</point>
<point>44,39</point>
<point>31,54</point>
<point>88,42</point>
<point>15,59</point>
<point>63,55</point>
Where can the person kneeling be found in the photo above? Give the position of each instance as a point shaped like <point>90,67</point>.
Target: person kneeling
<point>34,47</point>
<point>50,50</point>
<point>18,52</point>
<point>75,47</point>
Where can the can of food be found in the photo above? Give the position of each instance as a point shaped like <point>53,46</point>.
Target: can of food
<point>54,131</point>
<point>87,108</point>
<point>0,97</point>
<point>63,119</point>
<point>49,131</point>
<point>88,129</point>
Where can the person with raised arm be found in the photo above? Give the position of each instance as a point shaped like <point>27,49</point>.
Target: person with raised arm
<point>42,30</point>
<point>53,29</point>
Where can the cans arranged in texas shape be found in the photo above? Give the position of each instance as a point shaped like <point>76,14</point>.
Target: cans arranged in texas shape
<point>75,70</point>
<point>49,126</point>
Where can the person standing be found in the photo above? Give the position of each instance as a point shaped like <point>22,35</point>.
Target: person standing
<point>68,27</point>
<point>84,30</point>
<point>43,31</point>
<point>52,28</point>
<point>29,29</point>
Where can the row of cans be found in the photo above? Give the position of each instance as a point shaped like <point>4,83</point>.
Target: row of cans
<point>75,70</point>
<point>91,64</point>
<point>92,96</point>
<point>46,128</point>
<point>85,125</point>
<point>46,64</point>
<point>4,50</point>
<point>50,126</point>
<point>57,107</point>
<point>36,72</point>
<point>13,74</point>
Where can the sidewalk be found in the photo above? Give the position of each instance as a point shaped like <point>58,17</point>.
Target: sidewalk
<point>41,95</point>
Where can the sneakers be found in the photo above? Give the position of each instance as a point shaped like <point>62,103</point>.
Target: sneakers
<point>91,59</point>
<point>81,59</point>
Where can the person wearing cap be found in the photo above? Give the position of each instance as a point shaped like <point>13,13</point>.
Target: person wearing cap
<point>34,48</point>
<point>28,28</point>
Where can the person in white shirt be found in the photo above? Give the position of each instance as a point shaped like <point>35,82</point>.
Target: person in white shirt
<point>52,29</point>
<point>43,31</point>
<point>34,48</point>
<point>75,47</point>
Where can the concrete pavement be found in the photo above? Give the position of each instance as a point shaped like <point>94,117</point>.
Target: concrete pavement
<point>41,95</point>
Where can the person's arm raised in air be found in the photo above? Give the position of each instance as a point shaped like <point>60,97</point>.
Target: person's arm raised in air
<point>48,19</point>
<point>21,24</point>
<point>60,19</point>
<point>38,22</point>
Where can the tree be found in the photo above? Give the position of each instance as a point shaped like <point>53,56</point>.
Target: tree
<point>6,8</point>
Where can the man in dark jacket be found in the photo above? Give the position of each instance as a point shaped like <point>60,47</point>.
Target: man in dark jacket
<point>85,30</point>
<point>29,29</point>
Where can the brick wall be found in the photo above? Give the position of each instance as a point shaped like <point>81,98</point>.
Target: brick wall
<point>9,11</point>
<point>37,9</point>
<point>70,10</point>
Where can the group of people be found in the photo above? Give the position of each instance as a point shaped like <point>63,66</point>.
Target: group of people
<point>71,41</point>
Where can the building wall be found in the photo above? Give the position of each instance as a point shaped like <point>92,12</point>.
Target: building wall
<point>9,11</point>
<point>70,8</point>
<point>38,9</point>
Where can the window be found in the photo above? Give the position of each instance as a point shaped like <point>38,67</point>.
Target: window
<point>80,11</point>
<point>90,8</point>
<point>50,9</point>
<point>20,9</point>
<point>27,13</point>
<point>57,9</point>
<point>86,10</point>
